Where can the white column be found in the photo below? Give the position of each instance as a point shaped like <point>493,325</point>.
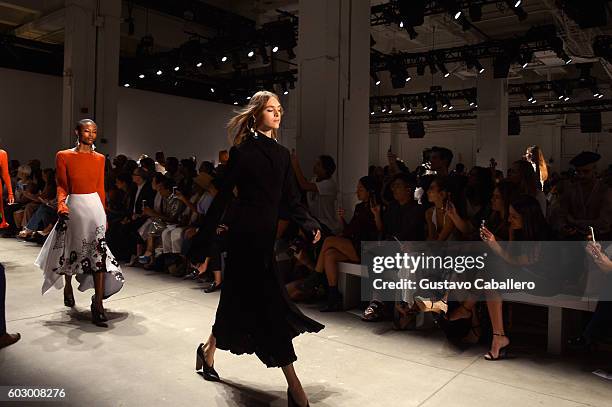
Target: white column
<point>91,69</point>
<point>492,121</point>
<point>334,61</point>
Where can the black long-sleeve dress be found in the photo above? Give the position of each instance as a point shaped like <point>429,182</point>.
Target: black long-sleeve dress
<point>255,314</point>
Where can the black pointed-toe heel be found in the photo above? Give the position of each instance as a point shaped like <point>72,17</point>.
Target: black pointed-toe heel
<point>69,300</point>
<point>291,401</point>
<point>208,372</point>
<point>98,317</point>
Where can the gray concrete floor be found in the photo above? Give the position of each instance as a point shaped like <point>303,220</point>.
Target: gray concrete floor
<point>146,356</point>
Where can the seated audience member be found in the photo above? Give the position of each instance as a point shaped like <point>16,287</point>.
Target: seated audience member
<point>440,159</point>
<point>347,246</point>
<point>446,220</point>
<point>601,320</point>
<point>523,175</point>
<point>207,167</point>
<point>120,200</point>
<point>13,213</point>
<point>45,202</point>
<point>478,193</point>
<point>403,219</point>
<point>123,237</point>
<point>187,167</point>
<point>148,164</point>
<point>586,201</point>
<point>173,236</point>
<point>207,244</point>
<point>321,191</point>
<point>172,170</point>
<point>168,214</point>
<point>526,223</point>
<point>160,162</point>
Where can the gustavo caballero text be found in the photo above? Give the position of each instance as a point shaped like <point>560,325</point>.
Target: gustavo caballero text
<point>478,284</point>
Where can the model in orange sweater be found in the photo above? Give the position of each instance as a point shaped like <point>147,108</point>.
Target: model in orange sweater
<point>6,178</point>
<point>77,245</point>
<point>78,172</point>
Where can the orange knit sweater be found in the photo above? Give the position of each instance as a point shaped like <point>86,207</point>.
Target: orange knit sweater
<point>78,173</point>
<point>6,178</point>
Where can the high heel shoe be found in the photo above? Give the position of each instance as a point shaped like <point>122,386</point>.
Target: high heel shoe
<point>291,401</point>
<point>427,305</point>
<point>208,372</point>
<point>502,354</point>
<point>69,300</point>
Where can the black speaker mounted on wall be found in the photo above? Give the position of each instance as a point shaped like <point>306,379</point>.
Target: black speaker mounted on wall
<point>514,124</point>
<point>415,129</point>
<point>590,122</point>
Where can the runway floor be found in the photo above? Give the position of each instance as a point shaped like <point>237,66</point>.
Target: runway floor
<point>147,355</point>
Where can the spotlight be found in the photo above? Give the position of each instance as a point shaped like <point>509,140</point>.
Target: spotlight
<point>515,6</point>
<point>176,68</point>
<point>126,85</point>
<point>224,59</point>
<point>159,72</point>
<point>389,109</point>
<point>401,24</point>
<point>251,54</point>
<point>443,69</point>
<point>275,49</point>
<point>375,77</point>
<point>248,98</point>
<point>402,106</point>
<point>199,64</point>
<point>478,66</point>
<point>372,110</point>
<point>525,58</point>
<point>141,76</point>
<point>384,109</point>
<point>235,103</point>
<point>284,88</point>
<point>457,15</point>
<point>212,90</point>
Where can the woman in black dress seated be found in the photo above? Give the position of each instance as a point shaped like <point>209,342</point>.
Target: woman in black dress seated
<point>262,320</point>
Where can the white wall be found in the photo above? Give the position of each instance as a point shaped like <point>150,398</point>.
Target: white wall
<point>30,115</point>
<point>179,126</point>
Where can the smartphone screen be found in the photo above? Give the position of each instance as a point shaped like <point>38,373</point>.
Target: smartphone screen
<point>592,233</point>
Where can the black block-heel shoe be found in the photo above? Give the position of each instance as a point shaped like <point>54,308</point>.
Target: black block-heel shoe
<point>291,401</point>
<point>69,300</point>
<point>98,317</point>
<point>208,372</point>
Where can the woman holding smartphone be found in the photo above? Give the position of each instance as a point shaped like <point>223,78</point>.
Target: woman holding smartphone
<point>347,246</point>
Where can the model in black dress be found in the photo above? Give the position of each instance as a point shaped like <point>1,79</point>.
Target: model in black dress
<point>255,314</point>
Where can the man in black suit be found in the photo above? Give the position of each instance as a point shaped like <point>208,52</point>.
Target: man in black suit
<point>123,238</point>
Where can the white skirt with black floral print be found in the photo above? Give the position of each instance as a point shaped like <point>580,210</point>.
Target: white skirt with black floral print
<point>78,247</point>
